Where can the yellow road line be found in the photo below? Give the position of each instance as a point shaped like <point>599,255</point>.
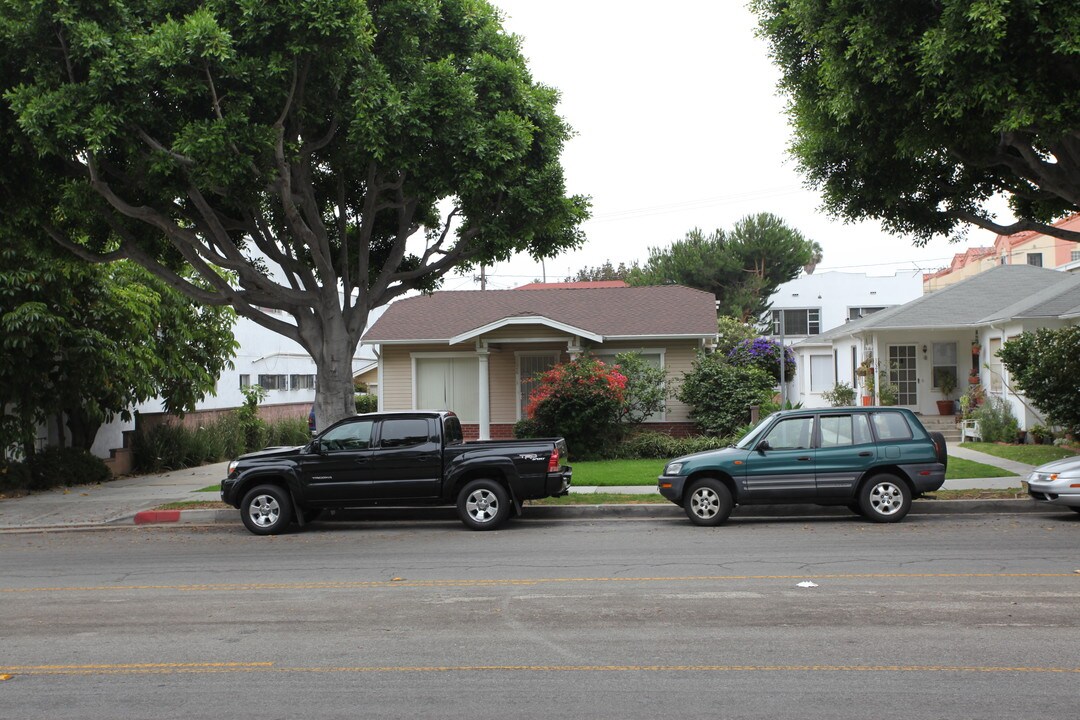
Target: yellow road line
<point>189,668</point>
<point>363,584</point>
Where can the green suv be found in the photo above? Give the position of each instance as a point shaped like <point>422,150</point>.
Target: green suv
<point>873,460</point>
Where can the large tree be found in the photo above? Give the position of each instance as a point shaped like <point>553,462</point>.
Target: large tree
<point>741,267</point>
<point>331,156</point>
<point>918,112</point>
<point>85,343</point>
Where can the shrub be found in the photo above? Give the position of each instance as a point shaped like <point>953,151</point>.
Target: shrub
<point>366,403</point>
<point>654,445</point>
<point>996,421</point>
<point>720,394</point>
<point>841,395</point>
<point>580,400</point>
<point>290,432</point>
<point>172,447</point>
<point>645,393</point>
<point>1044,365</point>
<point>65,466</point>
<point>764,353</point>
<point>255,432</point>
<point>730,331</point>
<point>14,477</point>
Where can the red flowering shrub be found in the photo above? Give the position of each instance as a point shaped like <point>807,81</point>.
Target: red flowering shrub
<point>580,400</point>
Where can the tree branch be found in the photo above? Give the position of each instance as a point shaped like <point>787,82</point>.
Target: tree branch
<point>1017,227</point>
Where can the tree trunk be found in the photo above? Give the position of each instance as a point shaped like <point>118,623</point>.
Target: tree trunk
<point>82,428</point>
<point>334,379</point>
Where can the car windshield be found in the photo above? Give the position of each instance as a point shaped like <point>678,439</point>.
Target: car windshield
<point>752,437</point>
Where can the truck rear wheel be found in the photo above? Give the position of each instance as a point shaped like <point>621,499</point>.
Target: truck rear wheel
<point>483,504</point>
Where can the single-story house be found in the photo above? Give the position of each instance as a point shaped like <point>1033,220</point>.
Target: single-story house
<point>476,352</point>
<point>952,331</point>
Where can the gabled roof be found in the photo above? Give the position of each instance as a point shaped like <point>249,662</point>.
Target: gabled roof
<point>601,314</point>
<point>1001,293</point>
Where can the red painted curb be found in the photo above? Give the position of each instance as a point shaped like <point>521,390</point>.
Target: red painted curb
<point>156,516</point>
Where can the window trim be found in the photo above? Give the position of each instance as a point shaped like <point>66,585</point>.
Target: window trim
<point>518,354</point>
<point>413,357</point>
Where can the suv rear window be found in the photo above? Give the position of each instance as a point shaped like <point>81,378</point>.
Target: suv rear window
<point>890,426</point>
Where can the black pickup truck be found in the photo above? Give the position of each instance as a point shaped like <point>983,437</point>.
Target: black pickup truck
<point>399,459</point>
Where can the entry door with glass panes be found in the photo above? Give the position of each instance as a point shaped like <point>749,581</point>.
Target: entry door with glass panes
<point>903,375</point>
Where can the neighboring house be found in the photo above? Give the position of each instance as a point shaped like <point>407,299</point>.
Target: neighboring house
<point>814,304</point>
<point>915,344</point>
<point>1026,248</point>
<point>475,352</point>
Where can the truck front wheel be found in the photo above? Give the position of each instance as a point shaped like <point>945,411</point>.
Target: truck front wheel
<point>267,510</point>
<point>483,504</point>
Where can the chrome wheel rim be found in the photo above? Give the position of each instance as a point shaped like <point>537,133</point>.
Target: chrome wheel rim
<point>886,498</point>
<point>264,510</point>
<point>482,505</point>
<point>705,503</point>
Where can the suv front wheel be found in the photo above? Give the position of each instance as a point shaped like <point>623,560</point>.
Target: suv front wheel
<point>708,503</point>
<point>885,499</point>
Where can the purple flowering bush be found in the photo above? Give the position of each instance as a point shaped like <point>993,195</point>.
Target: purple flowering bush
<point>764,353</point>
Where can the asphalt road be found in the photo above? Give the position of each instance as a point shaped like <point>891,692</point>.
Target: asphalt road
<point>939,617</point>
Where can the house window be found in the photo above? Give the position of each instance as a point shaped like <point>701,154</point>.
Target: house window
<point>822,373</point>
<point>855,313</point>
<point>1034,259</point>
<point>302,382</point>
<point>449,383</point>
<point>529,366</point>
<point>245,380</point>
<point>1074,256</point>
<point>1004,259</point>
<point>274,382</point>
<point>944,363</point>
<point>798,322</point>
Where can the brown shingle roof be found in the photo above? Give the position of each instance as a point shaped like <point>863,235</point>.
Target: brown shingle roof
<point>658,311</point>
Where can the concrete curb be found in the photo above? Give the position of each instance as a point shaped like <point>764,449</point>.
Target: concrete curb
<point>598,511</point>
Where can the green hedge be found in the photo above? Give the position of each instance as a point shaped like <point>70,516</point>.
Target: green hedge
<point>654,445</point>
<point>172,447</point>
<point>54,467</point>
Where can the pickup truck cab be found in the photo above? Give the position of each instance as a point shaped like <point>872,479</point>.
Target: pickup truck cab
<point>399,459</point>
<point>874,460</point>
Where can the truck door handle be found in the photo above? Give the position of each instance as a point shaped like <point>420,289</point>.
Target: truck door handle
<point>803,458</point>
<point>865,453</point>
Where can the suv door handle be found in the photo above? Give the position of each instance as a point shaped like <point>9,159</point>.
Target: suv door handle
<point>865,453</point>
<point>803,458</point>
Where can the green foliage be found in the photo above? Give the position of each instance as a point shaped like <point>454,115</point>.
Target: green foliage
<point>720,394</point>
<point>318,137</point>
<point>841,395</point>
<point>918,112</point>
<point>582,401</point>
<point>1045,365</point>
<point>645,391</point>
<point>742,268</point>
<point>91,341</point>
<point>14,477</point>
<point>366,403</point>
<point>731,331</point>
<point>607,271</point>
<point>65,466</point>
<point>764,353</point>
<point>996,421</point>
<point>663,446</point>
<point>256,434</point>
<point>888,393</point>
<point>172,446</point>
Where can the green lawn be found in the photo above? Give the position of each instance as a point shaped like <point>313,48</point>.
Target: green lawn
<point>1030,454</point>
<point>960,469</point>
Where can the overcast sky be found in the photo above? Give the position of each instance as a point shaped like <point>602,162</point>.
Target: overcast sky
<point>679,125</point>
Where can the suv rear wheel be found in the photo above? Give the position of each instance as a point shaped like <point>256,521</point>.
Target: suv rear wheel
<point>483,504</point>
<point>708,503</point>
<point>885,499</point>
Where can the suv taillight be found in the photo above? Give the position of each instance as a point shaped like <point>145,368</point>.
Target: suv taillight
<point>553,461</point>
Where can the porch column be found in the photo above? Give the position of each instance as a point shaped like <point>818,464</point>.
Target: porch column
<point>573,348</point>
<point>483,398</point>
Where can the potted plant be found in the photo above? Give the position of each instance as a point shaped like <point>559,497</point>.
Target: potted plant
<point>946,383</point>
<point>842,395</point>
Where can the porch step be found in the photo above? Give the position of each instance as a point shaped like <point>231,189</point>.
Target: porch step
<point>944,424</point>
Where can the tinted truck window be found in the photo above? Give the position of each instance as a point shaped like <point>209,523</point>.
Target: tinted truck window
<point>403,432</point>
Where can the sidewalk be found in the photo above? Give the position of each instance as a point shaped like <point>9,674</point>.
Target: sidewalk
<point>117,502</point>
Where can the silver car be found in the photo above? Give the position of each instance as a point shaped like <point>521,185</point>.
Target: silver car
<point>1057,483</point>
